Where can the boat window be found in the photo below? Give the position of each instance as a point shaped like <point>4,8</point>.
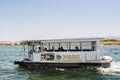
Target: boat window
<point>33,47</point>
<point>94,47</point>
<point>56,46</point>
<point>75,46</point>
<point>51,47</point>
<point>88,46</point>
<point>45,46</point>
<point>63,46</point>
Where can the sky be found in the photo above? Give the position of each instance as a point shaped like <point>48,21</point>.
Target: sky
<point>51,19</point>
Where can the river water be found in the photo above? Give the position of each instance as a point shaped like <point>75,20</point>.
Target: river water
<point>9,71</point>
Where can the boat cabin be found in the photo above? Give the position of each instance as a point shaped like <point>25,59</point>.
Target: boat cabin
<point>64,50</point>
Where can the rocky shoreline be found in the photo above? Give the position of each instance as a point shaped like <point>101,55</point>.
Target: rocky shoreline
<point>110,41</point>
<point>11,43</point>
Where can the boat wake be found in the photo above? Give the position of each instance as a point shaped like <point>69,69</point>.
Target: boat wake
<point>114,69</point>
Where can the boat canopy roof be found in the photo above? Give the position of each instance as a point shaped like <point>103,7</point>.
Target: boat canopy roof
<point>64,40</point>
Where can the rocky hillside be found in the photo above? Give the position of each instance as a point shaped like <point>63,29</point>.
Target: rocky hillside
<point>110,41</point>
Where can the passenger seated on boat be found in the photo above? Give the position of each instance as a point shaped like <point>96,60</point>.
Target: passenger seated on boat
<point>76,48</point>
<point>61,48</point>
<point>52,48</point>
<point>58,48</point>
<point>39,49</point>
<point>45,49</point>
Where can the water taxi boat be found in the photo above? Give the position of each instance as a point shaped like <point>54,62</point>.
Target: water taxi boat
<point>63,53</point>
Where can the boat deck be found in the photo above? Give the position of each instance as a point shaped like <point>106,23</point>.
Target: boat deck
<point>31,64</point>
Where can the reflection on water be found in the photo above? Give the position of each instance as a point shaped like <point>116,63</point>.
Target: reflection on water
<point>68,74</point>
<point>9,71</point>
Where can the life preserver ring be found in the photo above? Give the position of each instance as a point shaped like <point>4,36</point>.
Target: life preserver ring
<point>58,57</point>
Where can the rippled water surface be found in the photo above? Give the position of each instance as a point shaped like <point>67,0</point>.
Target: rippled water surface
<point>9,71</point>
